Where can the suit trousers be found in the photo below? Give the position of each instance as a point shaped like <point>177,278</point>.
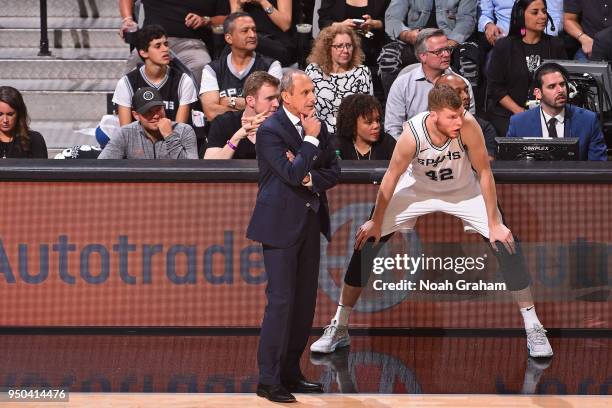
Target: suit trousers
<point>291,292</point>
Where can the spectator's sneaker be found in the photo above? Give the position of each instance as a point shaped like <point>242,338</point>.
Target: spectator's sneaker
<point>333,336</point>
<point>537,343</point>
<point>533,372</point>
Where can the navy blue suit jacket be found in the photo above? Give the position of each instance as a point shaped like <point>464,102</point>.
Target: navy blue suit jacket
<point>580,123</point>
<point>282,201</point>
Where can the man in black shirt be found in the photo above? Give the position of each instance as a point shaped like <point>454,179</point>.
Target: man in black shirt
<point>232,134</point>
<point>602,45</point>
<point>583,19</point>
<point>223,79</point>
<point>187,22</point>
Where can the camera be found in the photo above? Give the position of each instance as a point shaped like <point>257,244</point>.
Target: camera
<point>358,21</point>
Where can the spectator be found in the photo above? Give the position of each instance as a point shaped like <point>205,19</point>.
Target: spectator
<point>556,118</point>
<point>405,18</point>
<point>409,92</point>
<point>222,79</point>
<point>232,134</point>
<point>16,138</point>
<point>459,85</point>
<point>335,67</point>
<point>177,88</point>
<point>602,45</point>
<point>153,136</point>
<point>360,135</point>
<point>273,20</point>
<point>187,23</point>
<point>494,18</point>
<point>583,19</point>
<point>371,32</point>
<point>514,60</point>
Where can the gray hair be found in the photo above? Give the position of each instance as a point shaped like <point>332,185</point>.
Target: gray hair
<point>420,46</point>
<point>286,83</point>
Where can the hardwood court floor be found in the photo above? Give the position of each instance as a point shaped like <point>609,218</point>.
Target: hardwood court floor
<point>100,400</point>
<point>135,370</point>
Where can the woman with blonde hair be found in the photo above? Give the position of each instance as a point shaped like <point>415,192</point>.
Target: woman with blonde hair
<point>336,68</point>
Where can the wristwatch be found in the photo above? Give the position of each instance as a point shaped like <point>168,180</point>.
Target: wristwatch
<point>269,10</point>
<point>232,102</point>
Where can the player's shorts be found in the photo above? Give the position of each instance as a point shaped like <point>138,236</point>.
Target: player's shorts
<point>407,205</point>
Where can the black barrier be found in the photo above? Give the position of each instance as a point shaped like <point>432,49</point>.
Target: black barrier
<point>225,171</point>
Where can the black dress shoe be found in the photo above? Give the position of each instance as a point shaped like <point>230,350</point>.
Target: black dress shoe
<point>304,386</point>
<point>274,393</point>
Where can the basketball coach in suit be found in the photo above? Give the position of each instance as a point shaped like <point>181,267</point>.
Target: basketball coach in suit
<point>555,118</point>
<point>297,164</point>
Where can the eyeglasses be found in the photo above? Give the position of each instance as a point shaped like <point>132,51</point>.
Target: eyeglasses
<point>441,51</point>
<point>338,47</point>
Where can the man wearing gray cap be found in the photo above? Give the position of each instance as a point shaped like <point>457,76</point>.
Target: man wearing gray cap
<point>152,136</point>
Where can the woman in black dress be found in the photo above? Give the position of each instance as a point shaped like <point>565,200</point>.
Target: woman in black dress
<point>515,58</point>
<point>16,138</point>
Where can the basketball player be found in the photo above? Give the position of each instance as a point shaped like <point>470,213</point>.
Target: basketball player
<point>430,171</point>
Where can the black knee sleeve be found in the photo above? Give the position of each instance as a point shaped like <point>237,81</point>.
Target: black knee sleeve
<point>512,266</point>
<point>362,261</point>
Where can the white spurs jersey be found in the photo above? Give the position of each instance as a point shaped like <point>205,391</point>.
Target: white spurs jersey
<point>438,169</point>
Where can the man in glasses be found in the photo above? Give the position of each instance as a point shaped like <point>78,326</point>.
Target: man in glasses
<point>408,94</point>
<point>405,19</point>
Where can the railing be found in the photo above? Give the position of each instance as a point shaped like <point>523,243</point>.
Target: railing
<point>44,38</point>
<point>228,171</point>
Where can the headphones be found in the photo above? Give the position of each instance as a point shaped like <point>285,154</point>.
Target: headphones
<point>517,17</point>
<point>537,82</point>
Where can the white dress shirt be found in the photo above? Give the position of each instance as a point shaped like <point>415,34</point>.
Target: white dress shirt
<point>310,139</point>
<point>295,121</point>
<point>545,117</point>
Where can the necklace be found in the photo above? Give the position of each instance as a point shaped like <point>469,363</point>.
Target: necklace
<point>7,147</point>
<point>357,151</point>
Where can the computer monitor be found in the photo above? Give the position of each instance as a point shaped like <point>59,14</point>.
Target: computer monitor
<point>537,148</point>
<point>601,72</point>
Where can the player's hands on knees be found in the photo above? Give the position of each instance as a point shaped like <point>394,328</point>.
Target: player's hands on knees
<point>368,230</point>
<point>502,234</point>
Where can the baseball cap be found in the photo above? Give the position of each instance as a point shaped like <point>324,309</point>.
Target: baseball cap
<point>146,98</point>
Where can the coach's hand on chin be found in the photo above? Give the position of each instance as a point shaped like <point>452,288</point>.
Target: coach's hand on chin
<point>311,125</point>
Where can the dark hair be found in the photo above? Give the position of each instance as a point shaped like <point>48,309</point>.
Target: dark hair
<point>548,68</point>
<point>228,24</point>
<point>517,17</point>
<point>147,34</point>
<point>443,96</point>
<point>256,80</point>
<point>351,108</point>
<point>13,98</point>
